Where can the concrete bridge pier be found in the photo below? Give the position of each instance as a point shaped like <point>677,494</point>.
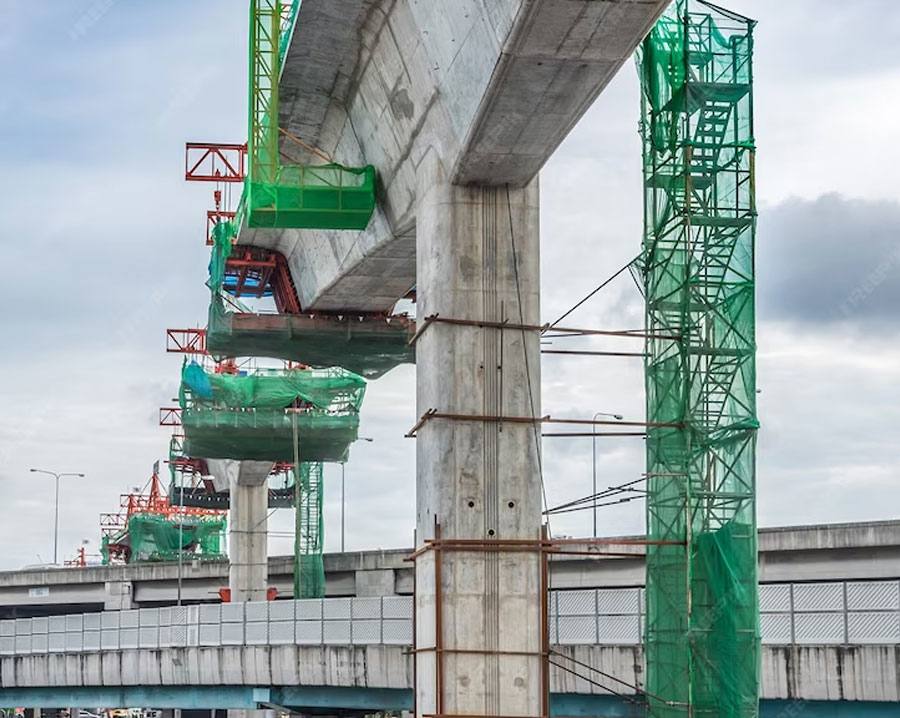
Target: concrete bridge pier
<point>248,527</point>
<point>248,572</point>
<point>477,259</point>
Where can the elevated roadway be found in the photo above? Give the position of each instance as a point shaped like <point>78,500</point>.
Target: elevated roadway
<point>869,550</point>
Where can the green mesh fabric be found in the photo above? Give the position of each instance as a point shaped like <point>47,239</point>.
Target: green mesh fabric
<point>313,197</point>
<point>332,390</point>
<point>370,346</point>
<point>327,196</point>
<point>702,635</point>
<point>309,536</point>
<point>158,538</point>
<point>249,416</point>
<point>267,435</point>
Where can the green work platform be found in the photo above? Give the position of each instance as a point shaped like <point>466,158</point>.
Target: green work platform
<point>257,415</point>
<point>267,434</point>
<point>312,197</point>
<point>369,346</point>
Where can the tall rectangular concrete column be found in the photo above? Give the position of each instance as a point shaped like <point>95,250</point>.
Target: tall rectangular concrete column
<point>248,531</point>
<point>478,612</point>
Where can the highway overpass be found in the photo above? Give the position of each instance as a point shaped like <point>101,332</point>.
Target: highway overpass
<point>796,553</point>
<point>825,644</point>
<point>829,594</point>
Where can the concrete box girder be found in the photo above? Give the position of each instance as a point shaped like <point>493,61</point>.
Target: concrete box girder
<point>487,87</point>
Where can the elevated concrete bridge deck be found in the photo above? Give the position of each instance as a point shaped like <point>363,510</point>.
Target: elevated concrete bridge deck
<point>797,553</point>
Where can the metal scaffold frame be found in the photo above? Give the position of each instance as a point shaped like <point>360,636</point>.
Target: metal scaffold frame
<point>309,532</point>
<point>698,280</point>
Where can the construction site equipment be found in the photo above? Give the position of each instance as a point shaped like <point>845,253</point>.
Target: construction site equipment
<point>255,415</point>
<point>364,344</point>
<point>702,634</point>
<point>370,345</point>
<point>255,272</point>
<point>328,196</point>
<point>192,485</point>
<point>309,533</point>
<point>149,528</point>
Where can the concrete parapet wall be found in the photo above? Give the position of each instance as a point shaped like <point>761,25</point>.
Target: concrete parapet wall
<point>849,673</point>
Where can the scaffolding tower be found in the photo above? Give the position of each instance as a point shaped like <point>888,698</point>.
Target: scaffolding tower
<point>309,532</point>
<point>702,636</point>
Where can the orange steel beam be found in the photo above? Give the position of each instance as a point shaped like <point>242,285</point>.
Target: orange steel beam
<point>186,341</point>
<point>215,162</point>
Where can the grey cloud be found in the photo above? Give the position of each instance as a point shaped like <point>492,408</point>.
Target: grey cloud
<point>818,41</point>
<point>831,260</point>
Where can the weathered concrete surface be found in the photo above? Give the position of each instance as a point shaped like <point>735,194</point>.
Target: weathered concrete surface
<point>478,259</point>
<point>800,672</point>
<point>488,88</point>
<point>248,572</point>
<point>247,473</point>
<point>868,550</point>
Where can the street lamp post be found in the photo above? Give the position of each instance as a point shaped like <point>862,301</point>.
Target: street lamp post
<point>56,476</point>
<point>617,417</point>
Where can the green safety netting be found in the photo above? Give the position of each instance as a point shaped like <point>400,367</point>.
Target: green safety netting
<point>153,537</point>
<point>328,196</point>
<point>702,634</point>
<point>309,533</point>
<point>333,390</point>
<point>312,197</point>
<point>266,434</point>
<point>257,416</point>
<point>369,346</point>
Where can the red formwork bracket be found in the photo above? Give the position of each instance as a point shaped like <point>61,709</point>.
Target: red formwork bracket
<point>170,416</point>
<point>186,341</point>
<point>215,162</point>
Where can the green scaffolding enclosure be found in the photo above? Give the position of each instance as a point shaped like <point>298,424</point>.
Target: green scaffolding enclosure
<point>313,197</point>
<point>258,416</point>
<point>309,533</point>
<point>153,537</point>
<point>702,635</point>
<point>328,196</point>
<point>370,346</point>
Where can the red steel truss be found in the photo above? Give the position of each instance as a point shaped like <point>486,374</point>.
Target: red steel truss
<point>266,269</point>
<point>170,416</point>
<point>115,525</point>
<point>186,341</point>
<point>215,162</point>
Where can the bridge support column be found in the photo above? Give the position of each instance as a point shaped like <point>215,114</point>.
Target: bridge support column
<point>248,531</point>
<point>478,610</point>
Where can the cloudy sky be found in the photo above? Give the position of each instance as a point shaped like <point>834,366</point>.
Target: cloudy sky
<point>103,248</point>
